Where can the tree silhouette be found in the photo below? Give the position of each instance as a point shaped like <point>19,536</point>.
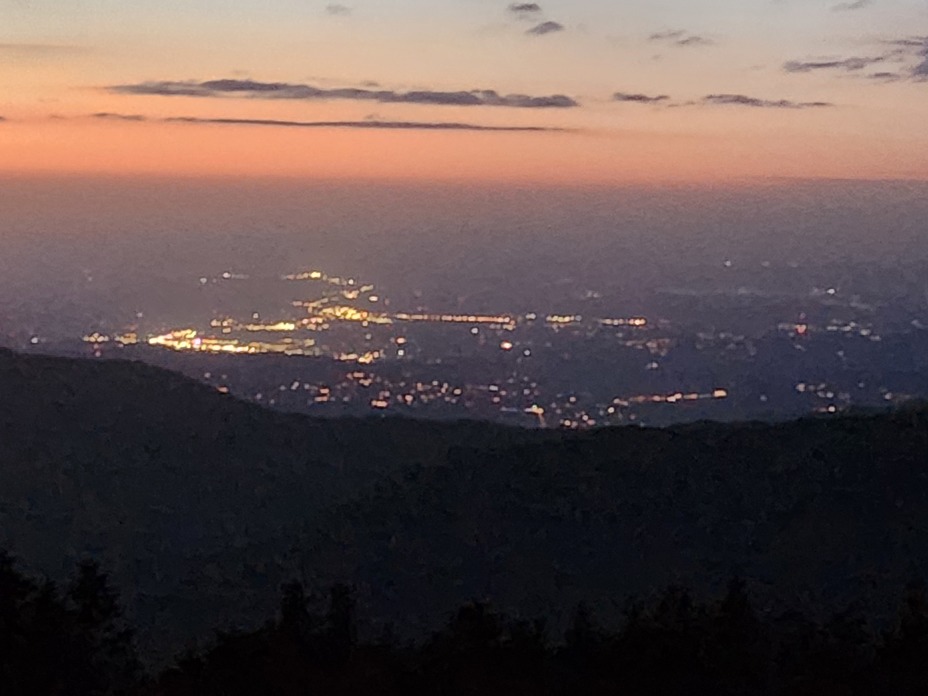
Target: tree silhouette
<point>342,631</point>
<point>109,638</point>
<point>295,620</point>
<point>72,645</point>
<point>737,650</point>
<point>36,654</point>
<point>903,663</point>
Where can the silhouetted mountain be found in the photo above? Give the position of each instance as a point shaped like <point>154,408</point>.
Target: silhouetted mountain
<point>193,500</point>
<point>200,506</point>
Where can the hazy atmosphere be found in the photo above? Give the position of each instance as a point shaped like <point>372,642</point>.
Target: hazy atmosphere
<point>464,346</point>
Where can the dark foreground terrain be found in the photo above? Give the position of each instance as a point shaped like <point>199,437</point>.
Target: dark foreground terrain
<point>200,507</point>
<point>75,640</point>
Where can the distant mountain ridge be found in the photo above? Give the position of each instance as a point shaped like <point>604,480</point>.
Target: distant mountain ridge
<point>200,505</point>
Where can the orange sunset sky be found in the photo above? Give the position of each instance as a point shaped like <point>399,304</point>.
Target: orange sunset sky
<point>584,91</point>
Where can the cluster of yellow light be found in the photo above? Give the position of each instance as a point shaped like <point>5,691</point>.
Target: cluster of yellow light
<point>228,325</point>
<point>128,339</point>
<point>563,319</point>
<point>308,275</point>
<point>278,327</point>
<point>634,321</point>
<point>362,358</point>
<point>181,339</point>
<point>539,412</point>
<point>503,320</point>
<point>96,338</point>
<point>189,340</point>
<point>311,306</point>
<point>346,313</point>
<point>355,293</point>
<point>670,398</point>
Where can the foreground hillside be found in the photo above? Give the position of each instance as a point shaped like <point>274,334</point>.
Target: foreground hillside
<point>200,505</point>
<point>191,499</point>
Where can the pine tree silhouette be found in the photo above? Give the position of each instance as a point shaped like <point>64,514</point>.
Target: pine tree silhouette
<point>110,640</point>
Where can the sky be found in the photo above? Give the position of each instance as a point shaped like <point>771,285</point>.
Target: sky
<point>582,91</point>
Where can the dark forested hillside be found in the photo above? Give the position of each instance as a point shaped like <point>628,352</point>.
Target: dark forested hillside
<point>200,506</point>
<point>191,499</point>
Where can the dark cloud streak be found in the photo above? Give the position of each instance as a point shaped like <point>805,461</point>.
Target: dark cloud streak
<point>911,54</point>
<point>370,124</point>
<point>639,98</point>
<point>678,37</point>
<point>694,41</point>
<point>525,9</point>
<point>37,49</point>
<point>920,71</point>
<point>753,102</point>
<point>849,64</point>
<point>282,90</point>
<point>545,28</point>
<point>106,115</point>
<point>851,6</point>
